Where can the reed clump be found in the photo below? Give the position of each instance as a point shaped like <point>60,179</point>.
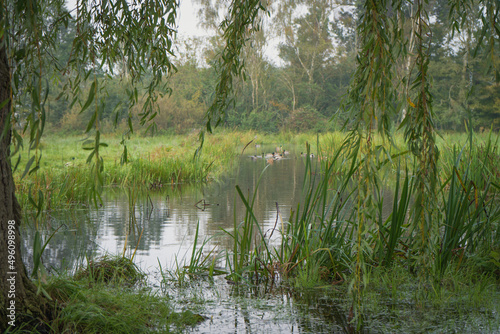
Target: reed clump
<point>105,297</point>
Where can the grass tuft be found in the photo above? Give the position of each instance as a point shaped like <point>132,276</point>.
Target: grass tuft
<point>111,270</point>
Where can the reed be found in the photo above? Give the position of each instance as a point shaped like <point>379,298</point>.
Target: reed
<point>392,230</point>
<point>202,261</point>
<point>316,235</point>
<point>467,214</point>
<point>320,241</point>
<point>251,256</point>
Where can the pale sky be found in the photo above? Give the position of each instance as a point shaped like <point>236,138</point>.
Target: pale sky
<point>187,20</point>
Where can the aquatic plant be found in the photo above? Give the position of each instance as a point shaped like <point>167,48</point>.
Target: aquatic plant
<point>321,241</point>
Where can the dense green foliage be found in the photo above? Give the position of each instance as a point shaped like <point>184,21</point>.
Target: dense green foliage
<point>184,109</point>
<point>304,86</point>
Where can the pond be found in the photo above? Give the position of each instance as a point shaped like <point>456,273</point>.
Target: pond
<point>159,227</point>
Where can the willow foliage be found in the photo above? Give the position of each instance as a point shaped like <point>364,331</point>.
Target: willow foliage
<point>133,38</point>
<point>242,20</point>
<point>376,97</point>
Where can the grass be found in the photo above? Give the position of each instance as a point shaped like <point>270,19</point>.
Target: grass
<point>111,270</point>
<point>64,178</point>
<point>106,297</point>
<point>64,175</point>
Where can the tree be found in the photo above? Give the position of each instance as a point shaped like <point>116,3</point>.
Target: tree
<point>108,34</point>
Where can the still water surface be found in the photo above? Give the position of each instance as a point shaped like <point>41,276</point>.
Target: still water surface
<point>167,219</point>
<point>161,225</point>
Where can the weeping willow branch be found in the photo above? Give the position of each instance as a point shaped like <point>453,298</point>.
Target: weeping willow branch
<point>238,26</point>
<point>371,102</point>
<point>109,36</point>
<point>419,129</point>
<point>488,38</point>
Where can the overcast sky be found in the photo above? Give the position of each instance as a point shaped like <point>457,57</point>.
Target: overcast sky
<point>187,20</point>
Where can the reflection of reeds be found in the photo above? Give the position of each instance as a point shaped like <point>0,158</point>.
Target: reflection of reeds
<point>201,263</point>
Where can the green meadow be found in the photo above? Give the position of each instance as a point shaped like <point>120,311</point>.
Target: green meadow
<point>64,176</point>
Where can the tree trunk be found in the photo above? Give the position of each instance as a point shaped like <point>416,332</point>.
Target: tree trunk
<point>18,298</point>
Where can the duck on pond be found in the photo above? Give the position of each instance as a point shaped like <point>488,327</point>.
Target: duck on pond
<point>269,155</point>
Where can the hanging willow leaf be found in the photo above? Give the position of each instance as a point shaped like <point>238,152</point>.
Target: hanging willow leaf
<point>28,166</point>
<point>90,98</point>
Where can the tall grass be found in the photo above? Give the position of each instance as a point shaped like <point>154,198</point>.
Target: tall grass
<point>314,240</point>
<point>319,242</point>
<point>64,177</point>
<point>392,230</point>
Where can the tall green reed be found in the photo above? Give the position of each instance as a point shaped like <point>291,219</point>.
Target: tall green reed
<point>467,214</point>
<point>392,230</point>
<point>316,234</point>
<point>246,256</point>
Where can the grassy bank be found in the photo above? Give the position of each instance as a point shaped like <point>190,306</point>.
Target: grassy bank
<point>107,296</point>
<point>65,177</point>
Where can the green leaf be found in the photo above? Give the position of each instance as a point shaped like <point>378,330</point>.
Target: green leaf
<point>90,97</point>
<point>28,166</point>
<point>91,123</point>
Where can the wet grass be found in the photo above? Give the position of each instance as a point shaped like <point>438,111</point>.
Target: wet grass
<point>107,297</point>
<point>64,177</point>
<point>111,270</point>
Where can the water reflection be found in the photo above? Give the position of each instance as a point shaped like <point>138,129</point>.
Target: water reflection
<point>161,225</point>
